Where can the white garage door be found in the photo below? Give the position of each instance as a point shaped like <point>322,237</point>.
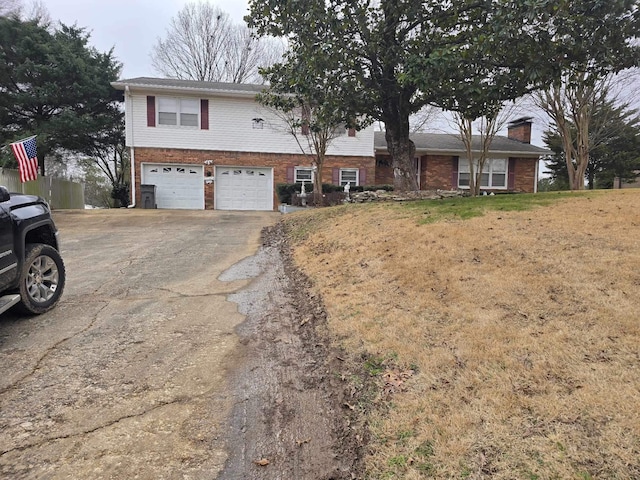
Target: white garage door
<point>177,186</point>
<point>244,188</point>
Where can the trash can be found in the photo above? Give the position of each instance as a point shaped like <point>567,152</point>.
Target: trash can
<point>148,194</point>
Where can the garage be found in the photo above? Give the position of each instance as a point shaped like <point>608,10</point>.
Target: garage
<point>244,188</point>
<point>177,186</point>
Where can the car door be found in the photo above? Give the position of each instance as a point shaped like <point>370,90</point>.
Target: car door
<point>8,257</point>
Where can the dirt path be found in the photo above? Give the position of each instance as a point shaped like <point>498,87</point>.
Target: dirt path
<point>291,408</point>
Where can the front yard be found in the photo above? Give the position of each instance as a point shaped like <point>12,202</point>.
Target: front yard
<point>503,331</point>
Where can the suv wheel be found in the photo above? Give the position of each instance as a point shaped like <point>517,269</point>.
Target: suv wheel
<point>42,279</point>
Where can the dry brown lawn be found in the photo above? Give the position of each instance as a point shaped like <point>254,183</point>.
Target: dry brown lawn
<point>519,331</point>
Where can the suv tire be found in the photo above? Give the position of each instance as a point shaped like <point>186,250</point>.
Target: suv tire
<point>42,279</point>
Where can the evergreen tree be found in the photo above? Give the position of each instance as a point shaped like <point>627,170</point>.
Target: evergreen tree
<point>54,85</point>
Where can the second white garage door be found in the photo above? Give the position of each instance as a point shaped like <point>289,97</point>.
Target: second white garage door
<point>244,188</point>
<point>177,186</point>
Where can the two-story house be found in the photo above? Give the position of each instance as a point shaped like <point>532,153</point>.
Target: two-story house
<point>211,145</point>
<point>207,145</point>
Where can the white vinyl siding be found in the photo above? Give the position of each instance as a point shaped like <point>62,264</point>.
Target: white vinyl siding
<point>494,173</point>
<point>230,129</point>
<point>184,112</point>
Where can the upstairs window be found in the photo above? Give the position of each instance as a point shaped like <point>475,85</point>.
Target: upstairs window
<point>183,112</point>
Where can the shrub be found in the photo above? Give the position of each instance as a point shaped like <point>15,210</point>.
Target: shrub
<point>287,190</point>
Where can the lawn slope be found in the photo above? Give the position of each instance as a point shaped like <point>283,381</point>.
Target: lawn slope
<point>506,330</point>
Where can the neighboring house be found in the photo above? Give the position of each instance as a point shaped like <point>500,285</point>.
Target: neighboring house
<point>441,161</point>
<point>207,145</point>
<point>210,145</point>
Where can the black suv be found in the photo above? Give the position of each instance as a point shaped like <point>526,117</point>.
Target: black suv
<point>32,273</point>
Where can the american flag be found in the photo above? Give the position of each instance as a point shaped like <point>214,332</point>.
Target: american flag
<point>25,152</point>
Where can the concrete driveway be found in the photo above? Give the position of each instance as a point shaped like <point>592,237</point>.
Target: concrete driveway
<point>125,379</point>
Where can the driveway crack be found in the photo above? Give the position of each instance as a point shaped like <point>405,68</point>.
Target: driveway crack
<point>94,429</point>
<point>49,350</point>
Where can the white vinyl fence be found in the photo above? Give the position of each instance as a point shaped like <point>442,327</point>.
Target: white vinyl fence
<point>60,193</point>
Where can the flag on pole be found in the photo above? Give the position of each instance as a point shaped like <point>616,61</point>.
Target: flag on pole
<point>25,152</point>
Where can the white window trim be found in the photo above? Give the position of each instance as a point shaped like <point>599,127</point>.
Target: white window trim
<point>343,182</point>
<point>178,112</point>
<point>488,164</point>
<point>295,174</point>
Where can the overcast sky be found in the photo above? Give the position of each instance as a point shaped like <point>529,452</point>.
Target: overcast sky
<point>131,27</point>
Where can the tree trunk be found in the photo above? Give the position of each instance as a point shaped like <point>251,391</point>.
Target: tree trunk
<point>403,152</point>
<point>317,185</point>
<point>41,162</point>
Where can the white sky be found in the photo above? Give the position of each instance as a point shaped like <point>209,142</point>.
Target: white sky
<point>131,27</point>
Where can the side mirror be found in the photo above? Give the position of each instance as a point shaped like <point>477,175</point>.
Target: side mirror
<point>4,194</point>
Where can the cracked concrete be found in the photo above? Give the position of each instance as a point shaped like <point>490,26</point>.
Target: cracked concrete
<point>126,378</point>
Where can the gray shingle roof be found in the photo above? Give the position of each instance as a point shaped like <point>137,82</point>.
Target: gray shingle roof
<point>173,83</point>
<point>450,143</point>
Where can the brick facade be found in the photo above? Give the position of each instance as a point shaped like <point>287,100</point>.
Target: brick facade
<point>279,163</point>
<point>525,175</point>
<point>437,173</point>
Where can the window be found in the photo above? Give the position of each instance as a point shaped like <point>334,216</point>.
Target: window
<point>183,112</point>
<point>349,175</point>
<point>303,174</point>
<point>494,173</point>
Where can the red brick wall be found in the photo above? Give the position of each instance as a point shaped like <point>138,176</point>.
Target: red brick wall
<point>525,178</point>
<point>520,132</point>
<point>439,169</point>
<point>279,163</point>
<point>384,170</point>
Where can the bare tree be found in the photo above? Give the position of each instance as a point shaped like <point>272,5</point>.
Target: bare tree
<point>487,128</point>
<point>570,105</point>
<point>10,7</point>
<point>37,11</point>
<point>423,120</point>
<point>202,43</point>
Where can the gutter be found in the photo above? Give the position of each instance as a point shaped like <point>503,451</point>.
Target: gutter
<point>133,153</point>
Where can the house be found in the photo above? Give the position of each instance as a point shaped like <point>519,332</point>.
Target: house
<point>441,161</point>
<point>208,145</point>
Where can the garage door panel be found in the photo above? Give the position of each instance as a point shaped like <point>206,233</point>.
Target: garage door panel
<point>244,188</point>
<point>177,186</point>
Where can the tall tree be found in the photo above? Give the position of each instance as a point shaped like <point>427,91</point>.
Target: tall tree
<point>311,110</point>
<point>477,136</point>
<point>202,43</point>
<point>614,147</point>
<point>52,84</point>
<point>393,57</point>
<point>592,40</point>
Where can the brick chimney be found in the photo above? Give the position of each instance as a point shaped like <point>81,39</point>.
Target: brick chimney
<point>520,129</point>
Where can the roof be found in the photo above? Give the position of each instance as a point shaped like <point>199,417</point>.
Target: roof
<point>149,83</point>
<point>450,143</point>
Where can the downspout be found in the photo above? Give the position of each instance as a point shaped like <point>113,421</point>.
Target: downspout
<point>133,154</point>
<point>535,182</point>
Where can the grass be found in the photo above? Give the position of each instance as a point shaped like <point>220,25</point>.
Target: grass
<point>518,315</point>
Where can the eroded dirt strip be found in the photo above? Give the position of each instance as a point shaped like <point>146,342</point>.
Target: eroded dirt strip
<point>292,418</point>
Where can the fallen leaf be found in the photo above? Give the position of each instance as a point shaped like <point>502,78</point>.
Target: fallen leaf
<point>263,462</point>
